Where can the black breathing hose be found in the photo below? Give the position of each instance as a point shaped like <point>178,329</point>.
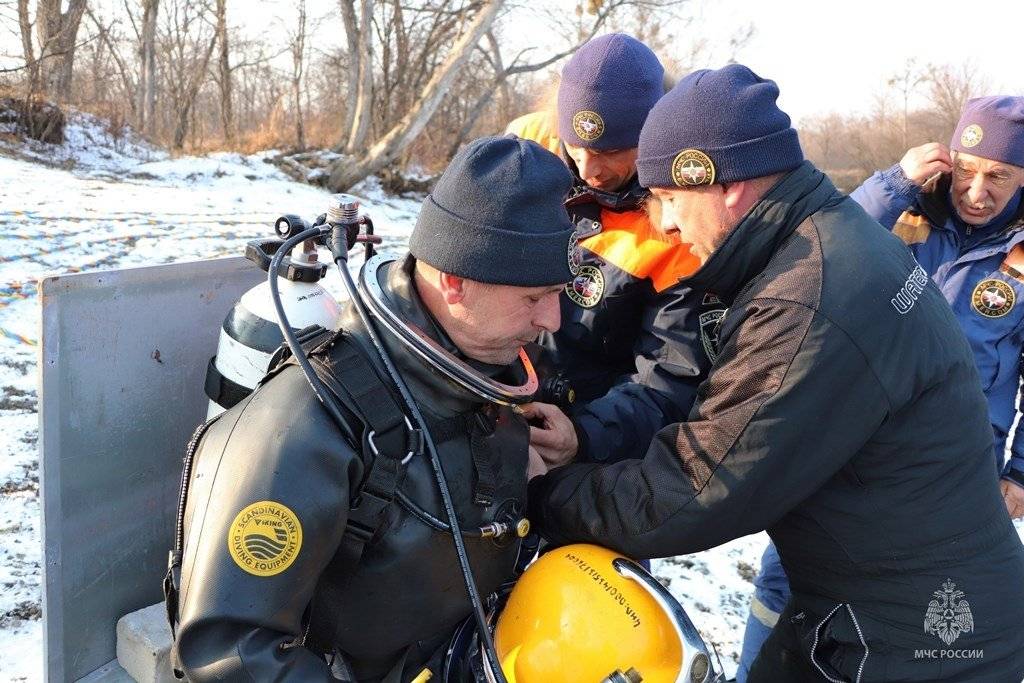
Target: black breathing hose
<point>338,243</point>
<point>339,251</point>
<point>319,389</point>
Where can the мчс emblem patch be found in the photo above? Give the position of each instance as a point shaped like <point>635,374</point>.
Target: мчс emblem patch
<point>265,538</point>
<point>587,287</point>
<point>588,125</point>
<point>972,135</point>
<point>692,167</point>
<point>993,298</point>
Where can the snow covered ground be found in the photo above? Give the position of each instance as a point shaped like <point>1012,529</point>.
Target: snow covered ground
<point>104,201</point>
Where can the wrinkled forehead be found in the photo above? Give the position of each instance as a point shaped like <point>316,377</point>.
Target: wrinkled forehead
<point>971,162</point>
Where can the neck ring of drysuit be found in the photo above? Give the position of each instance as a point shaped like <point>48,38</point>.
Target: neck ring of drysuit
<point>421,345</point>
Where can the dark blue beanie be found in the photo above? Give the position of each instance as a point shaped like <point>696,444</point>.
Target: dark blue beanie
<point>496,215</point>
<point>607,88</point>
<point>717,127</point>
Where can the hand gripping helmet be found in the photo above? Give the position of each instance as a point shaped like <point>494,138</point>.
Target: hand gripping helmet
<point>584,613</point>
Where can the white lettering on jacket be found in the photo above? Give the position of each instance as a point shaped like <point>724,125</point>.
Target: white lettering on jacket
<point>911,289</point>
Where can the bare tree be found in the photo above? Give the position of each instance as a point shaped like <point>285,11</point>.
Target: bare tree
<point>949,88</point>
<point>227,115</point>
<point>360,46</point>
<point>26,44</point>
<point>146,94</point>
<point>384,151</point>
<point>906,82</point>
<point>298,50</point>
<point>123,69</point>
<point>188,53</point>
<point>57,32</point>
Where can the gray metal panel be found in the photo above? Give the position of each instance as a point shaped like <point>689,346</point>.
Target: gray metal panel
<point>123,357</point>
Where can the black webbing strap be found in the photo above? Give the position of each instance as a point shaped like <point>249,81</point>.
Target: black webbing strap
<point>483,459</point>
<point>222,390</point>
<point>480,426</point>
<point>387,437</point>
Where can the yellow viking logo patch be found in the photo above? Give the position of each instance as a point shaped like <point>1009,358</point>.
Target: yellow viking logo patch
<point>588,125</point>
<point>993,298</point>
<point>692,167</point>
<point>972,135</point>
<point>265,538</point>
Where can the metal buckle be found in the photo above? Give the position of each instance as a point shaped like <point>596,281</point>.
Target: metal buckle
<point>376,451</point>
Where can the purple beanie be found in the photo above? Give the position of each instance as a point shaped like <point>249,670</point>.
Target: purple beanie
<point>607,89</point>
<point>717,127</point>
<point>993,128</point>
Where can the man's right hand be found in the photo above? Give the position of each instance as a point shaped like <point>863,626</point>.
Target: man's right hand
<point>921,163</point>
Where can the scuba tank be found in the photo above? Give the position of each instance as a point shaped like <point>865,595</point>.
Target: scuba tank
<point>250,333</point>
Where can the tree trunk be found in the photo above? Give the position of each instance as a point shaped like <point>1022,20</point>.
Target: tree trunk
<point>348,172</point>
<point>298,59</point>
<point>348,14</point>
<point>227,115</point>
<point>147,67</point>
<point>363,104</point>
<point>26,46</point>
<point>57,32</point>
<point>195,82</point>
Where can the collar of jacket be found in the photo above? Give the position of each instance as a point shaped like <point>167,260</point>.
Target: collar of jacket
<point>936,205</point>
<point>446,397</point>
<point>759,234</point>
<point>629,198</point>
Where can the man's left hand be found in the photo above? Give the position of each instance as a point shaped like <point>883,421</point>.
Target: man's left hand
<point>1013,496</point>
<point>551,433</point>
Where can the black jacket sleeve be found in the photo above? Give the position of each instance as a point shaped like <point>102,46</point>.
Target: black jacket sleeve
<point>671,361</point>
<point>280,448</point>
<point>790,400</point>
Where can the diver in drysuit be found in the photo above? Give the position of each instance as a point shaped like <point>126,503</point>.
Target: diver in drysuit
<point>311,554</point>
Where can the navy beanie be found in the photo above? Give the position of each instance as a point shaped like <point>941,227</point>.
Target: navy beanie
<point>717,127</point>
<point>993,128</point>
<point>607,88</point>
<point>496,215</point>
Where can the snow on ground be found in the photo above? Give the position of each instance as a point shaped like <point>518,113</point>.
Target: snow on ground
<point>100,202</point>
<point>103,201</point>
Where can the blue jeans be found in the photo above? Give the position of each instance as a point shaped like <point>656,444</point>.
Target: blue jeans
<point>771,593</point>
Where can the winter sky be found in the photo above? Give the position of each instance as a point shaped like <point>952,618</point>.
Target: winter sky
<point>826,55</point>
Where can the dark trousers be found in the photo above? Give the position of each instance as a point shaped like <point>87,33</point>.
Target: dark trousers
<point>781,659</point>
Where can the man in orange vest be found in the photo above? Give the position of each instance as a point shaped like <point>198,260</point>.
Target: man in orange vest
<point>633,344</point>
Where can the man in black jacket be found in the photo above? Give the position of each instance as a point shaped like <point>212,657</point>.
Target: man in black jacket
<point>309,554</point>
<point>843,414</point>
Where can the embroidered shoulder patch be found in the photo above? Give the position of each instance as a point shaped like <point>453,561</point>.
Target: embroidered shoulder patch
<point>265,538</point>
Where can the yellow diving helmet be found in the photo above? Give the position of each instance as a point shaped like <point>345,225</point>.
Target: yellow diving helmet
<point>584,613</point>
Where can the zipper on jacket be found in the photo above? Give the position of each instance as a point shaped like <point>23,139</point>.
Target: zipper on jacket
<point>860,635</point>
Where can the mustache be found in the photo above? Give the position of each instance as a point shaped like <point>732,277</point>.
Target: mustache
<point>986,205</point>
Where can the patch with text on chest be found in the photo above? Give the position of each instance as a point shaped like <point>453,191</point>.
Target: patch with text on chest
<point>993,298</point>
<point>587,287</point>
